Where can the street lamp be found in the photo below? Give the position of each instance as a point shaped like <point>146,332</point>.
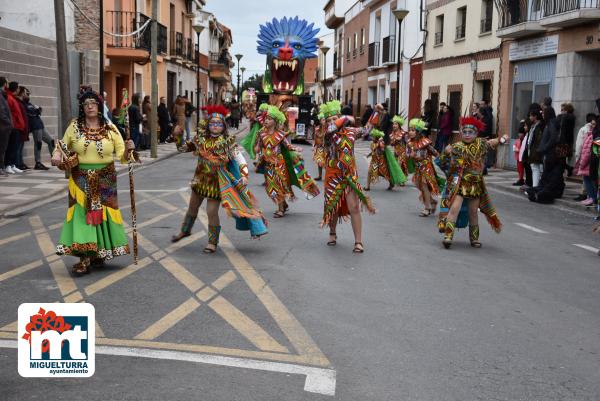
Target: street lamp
<point>400,14</point>
<point>324,49</point>
<point>239,100</point>
<point>198,26</point>
<point>238,57</point>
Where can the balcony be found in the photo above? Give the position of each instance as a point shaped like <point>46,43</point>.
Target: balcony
<point>388,51</point>
<point>189,9</point>
<point>134,47</point>
<point>332,21</point>
<point>189,53</point>
<point>361,50</point>
<point>176,39</point>
<point>486,25</point>
<point>373,54</point>
<point>519,18</point>
<point>564,13</point>
<point>219,65</point>
<point>460,32</point>
<point>438,39</point>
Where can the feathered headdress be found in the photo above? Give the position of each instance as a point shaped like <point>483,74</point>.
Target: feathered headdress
<point>219,111</point>
<point>417,124</point>
<point>276,114</point>
<point>320,116</point>
<point>286,28</point>
<point>398,120</point>
<point>376,134</point>
<point>334,107</point>
<point>324,110</point>
<point>473,123</point>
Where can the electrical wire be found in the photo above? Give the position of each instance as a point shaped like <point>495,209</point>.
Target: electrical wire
<point>139,31</point>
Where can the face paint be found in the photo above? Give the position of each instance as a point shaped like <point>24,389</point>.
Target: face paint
<point>469,134</point>
<point>215,126</point>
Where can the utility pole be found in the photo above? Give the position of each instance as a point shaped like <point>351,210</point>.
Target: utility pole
<point>63,66</point>
<point>154,80</point>
<point>101,66</point>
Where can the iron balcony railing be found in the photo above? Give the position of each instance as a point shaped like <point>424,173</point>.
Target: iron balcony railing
<point>335,60</point>
<point>361,49</point>
<point>176,39</point>
<point>124,22</point>
<point>439,38</point>
<point>388,53</point>
<point>373,54</point>
<point>460,32</point>
<point>162,39</point>
<point>513,12</point>
<point>486,25</point>
<point>348,55</point>
<point>189,49</point>
<point>220,58</point>
<point>554,7</point>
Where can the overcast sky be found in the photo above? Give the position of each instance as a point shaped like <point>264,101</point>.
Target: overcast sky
<point>244,17</point>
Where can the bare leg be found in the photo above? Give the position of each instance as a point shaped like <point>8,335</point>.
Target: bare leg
<point>356,220</point>
<point>451,220</point>
<point>320,177</point>
<point>332,231</point>
<point>426,197</point>
<point>214,224</point>
<point>190,217</point>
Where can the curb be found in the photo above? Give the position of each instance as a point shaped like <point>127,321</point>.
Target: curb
<point>58,193</point>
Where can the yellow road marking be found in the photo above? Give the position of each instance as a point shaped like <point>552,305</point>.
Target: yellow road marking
<point>20,270</point>
<point>43,239</point>
<point>13,238</point>
<point>186,278</point>
<point>286,321</point>
<point>14,326</point>
<point>169,320</point>
<point>246,326</point>
<point>206,294</point>
<point>116,276</point>
<point>154,220</point>
<point>224,280</point>
<point>7,221</point>
<point>165,204</point>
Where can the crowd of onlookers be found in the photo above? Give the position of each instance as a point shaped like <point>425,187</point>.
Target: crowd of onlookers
<point>20,119</point>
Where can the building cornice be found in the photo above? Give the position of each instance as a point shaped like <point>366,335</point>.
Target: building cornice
<point>437,4</point>
<point>450,61</point>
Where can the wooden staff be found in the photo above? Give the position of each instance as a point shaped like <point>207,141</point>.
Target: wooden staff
<point>130,161</point>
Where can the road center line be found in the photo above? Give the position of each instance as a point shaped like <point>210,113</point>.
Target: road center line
<point>531,228</point>
<point>587,247</point>
<point>318,380</point>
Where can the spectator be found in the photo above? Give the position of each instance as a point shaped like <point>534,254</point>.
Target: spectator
<point>106,110</point>
<point>583,131</point>
<point>428,116</point>
<point>6,126</point>
<point>351,107</point>
<point>115,120</point>
<point>366,115</point>
<point>534,158</point>
<point>179,112</point>
<point>474,109</point>
<point>518,155</point>
<point>24,137</point>
<point>552,183</point>
<point>235,114</point>
<point>164,120</point>
<point>40,134</point>
<point>189,110</point>
<point>566,122</point>
<point>446,118</point>
<point>486,115</point>
<point>385,123</point>
<point>18,118</point>
<point>584,168</point>
<point>145,136</point>
<point>135,119</point>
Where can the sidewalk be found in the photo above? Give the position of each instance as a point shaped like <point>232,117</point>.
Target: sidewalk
<point>503,180</point>
<point>21,192</point>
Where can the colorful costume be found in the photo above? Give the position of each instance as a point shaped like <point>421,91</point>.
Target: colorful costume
<point>421,153</point>
<point>93,227</point>
<point>466,162</point>
<point>383,162</point>
<point>218,176</point>
<point>341,174</point>
<point>319,152</point>
<point>398,141</point>
<point>283,166</point>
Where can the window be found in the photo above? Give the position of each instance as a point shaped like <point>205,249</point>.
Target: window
<point>393,23</point>
<point>439,30</point>
<point>358,101</point>
<point>487,10</point>
<point>377,29</point>
<point>461,22</point>
<point>355,41</point>
<point>346,97</point>
<point>455,102</point>
<point>363,40</point>
<point>347,48</point>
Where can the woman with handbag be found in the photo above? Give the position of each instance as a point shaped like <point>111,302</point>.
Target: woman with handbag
<point>93,228</point>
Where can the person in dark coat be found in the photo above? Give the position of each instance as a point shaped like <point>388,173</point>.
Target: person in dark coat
<point>164,120</point>
<point>135,119</point>
<point>6,126</point>
<point>532,157</point>
<point>366,115</point>
<point>40,134</point>
<point>428,116</point>
<point>566,122</point>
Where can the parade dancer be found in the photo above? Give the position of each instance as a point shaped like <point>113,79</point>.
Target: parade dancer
<point>319,152</point>
<point>383,163</point>
<point>93,228</point>
<point>398,141</point>
<point>342,191</point>
<point>421,153</point>
<point>222,178</point>
<point>283,165</point>
<point>466,160</point>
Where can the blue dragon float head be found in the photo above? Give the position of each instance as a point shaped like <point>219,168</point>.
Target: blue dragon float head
<point>286,43</point>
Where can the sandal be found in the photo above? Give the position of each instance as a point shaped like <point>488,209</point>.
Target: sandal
<point>278,214</point>
<point>332,242</point>
<point>318,179</point>
<point>390,188</point>
<point>97,262</point>
<point>81,268</point>
<point>476,244</point>
<point>180,236</point>
<point>425,213</point>
<point>357,248</point>
<point>210,250</point>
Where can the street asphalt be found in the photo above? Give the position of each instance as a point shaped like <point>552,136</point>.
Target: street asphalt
<point>518,319</point>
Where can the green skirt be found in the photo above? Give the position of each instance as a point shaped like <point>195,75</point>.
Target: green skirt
<point>78,238</point>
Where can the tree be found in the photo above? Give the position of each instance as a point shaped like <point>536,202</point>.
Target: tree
<point>255,81</point>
